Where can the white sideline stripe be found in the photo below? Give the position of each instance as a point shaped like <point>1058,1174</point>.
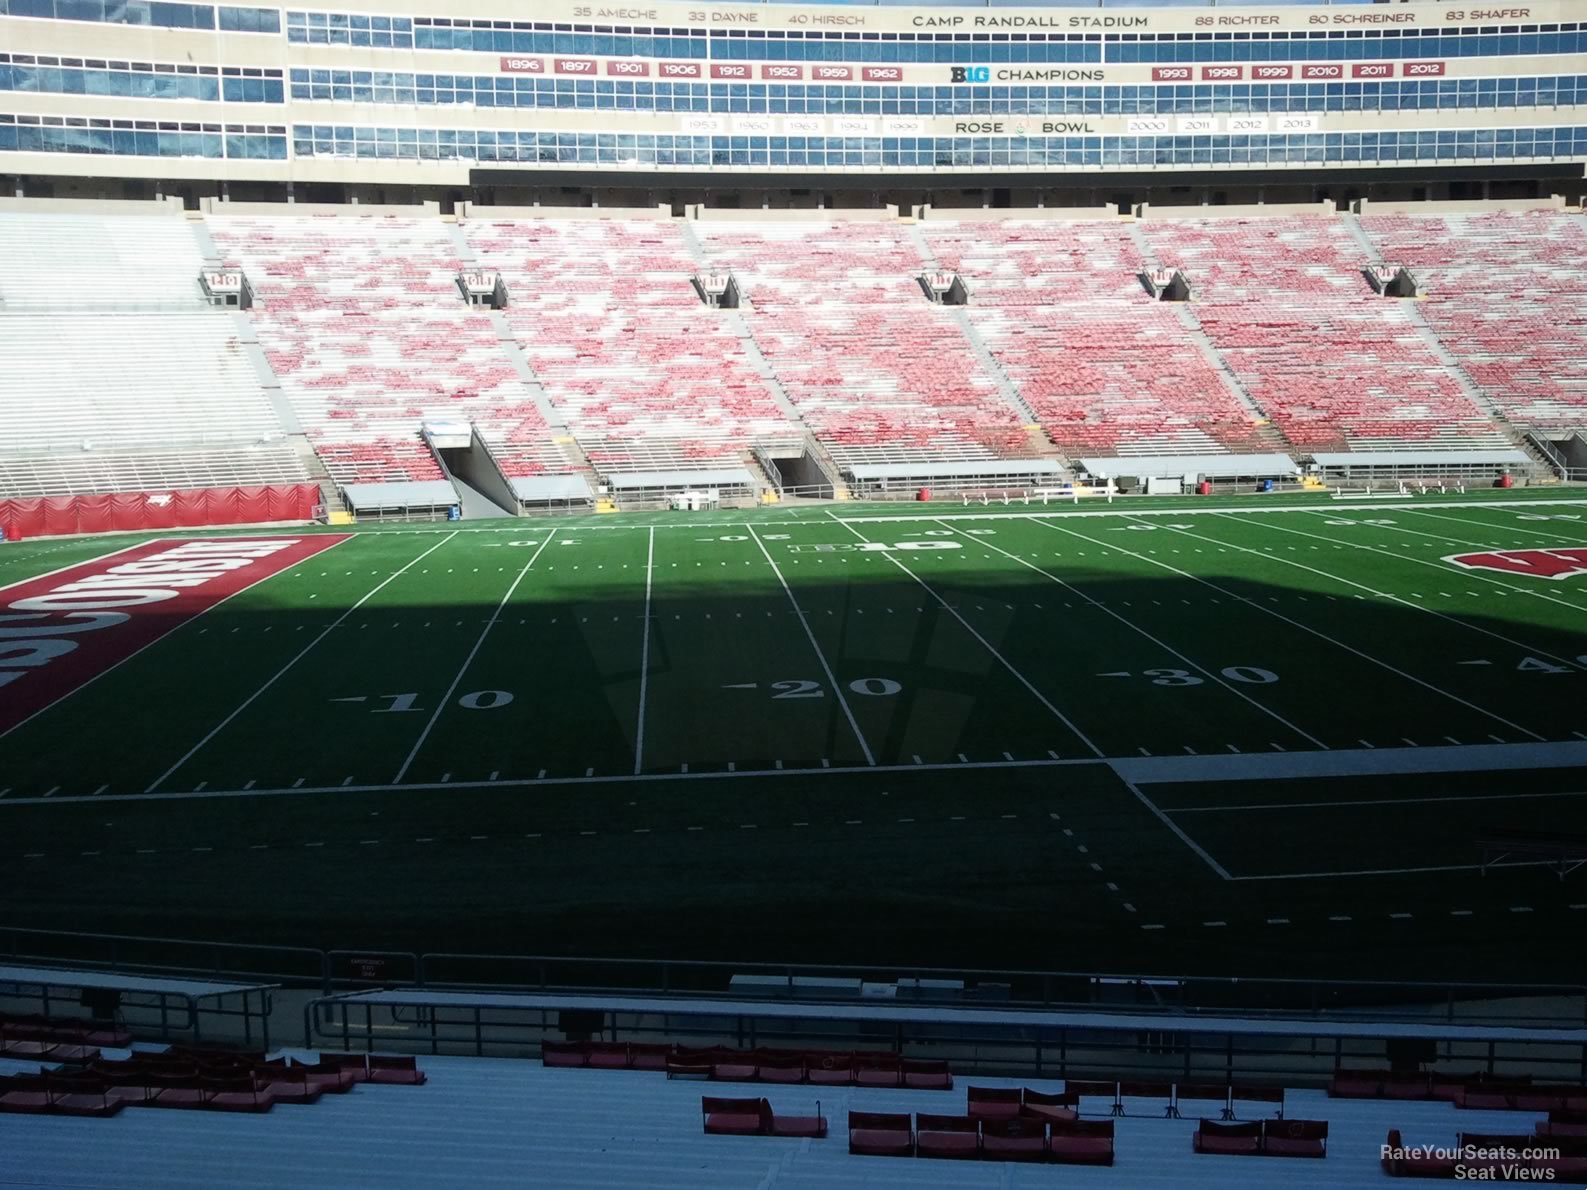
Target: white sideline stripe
<point>91,679</point>
<point>1419,606</point>
<point>1173,826</point>
<point>1320,635</point>
<point>644,658</point>
<point>304,652</point>
<point>1265,766</point>
<point>1441,799</point>
<point>467,661</point>
<point>985,644</point>
<point>526,782</point>
<point>804,623</point>
<point>1445,537</point>
<point>1531,863</point>
<point>1167,648</point>
<point>1501,528</point>
<point>82,562</point>
<point>1374,762</point>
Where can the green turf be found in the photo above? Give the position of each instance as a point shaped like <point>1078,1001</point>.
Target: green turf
<point>538,766</point>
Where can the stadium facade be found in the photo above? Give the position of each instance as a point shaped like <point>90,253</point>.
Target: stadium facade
<point>790,105</point>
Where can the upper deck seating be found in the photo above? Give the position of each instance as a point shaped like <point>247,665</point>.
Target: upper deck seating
<point>1507,294</point>
<point>1106,368</point>
<point>364,325</point>
<point>863,356</point>
<point>98,262</point>
<point>605,313</point>
<point>1335,366</point>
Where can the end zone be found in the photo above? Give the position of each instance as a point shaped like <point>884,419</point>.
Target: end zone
<point>60,631</point>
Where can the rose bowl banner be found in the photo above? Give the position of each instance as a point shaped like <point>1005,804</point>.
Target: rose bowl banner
<point>131,512</point>
<point>60,631</point>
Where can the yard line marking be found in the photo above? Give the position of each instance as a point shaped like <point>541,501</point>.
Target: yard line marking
<point>1372,549</point>
<point>446,699</point>
<point>1266,710</point>
<point>832,681</point>
<point>324,632</point>
<point>1497,528</point>
<point>1431,799</point>
<point>1339,644</point>
<point>1174,827</point>
<point>985,644</point>
<point>644,657</point>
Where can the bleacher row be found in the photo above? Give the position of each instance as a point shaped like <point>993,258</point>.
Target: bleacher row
<point>496,1121</point>
<point>1285,346</point>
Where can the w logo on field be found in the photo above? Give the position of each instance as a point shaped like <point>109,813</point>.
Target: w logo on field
<point>1554,564</point>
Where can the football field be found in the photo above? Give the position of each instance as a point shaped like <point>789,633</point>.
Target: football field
<point>1161,735</point>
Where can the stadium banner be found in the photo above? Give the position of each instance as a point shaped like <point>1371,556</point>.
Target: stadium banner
<point>59,631</point>
<point>131,512</point>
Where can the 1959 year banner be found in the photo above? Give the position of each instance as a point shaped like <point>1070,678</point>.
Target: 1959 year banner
<point>60,631</point>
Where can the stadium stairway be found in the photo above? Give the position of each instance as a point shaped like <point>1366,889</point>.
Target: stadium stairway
<point>1270,438</point>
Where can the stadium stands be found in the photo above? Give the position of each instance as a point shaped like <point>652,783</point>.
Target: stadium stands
<point>361,319</point>
<point>63,261</point>
<point>1107,369</point>
<point>1504,291</point>
<point>878,372</point>
<point>1332,364</point>
<point>625,349</point>
<point>489,1120</point>
<point>364,326</point>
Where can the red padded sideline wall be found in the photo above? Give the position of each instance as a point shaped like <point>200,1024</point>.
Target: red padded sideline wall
<point>122,512</point>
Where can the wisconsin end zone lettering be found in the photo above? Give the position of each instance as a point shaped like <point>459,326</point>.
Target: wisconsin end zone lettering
<point>60,631</point>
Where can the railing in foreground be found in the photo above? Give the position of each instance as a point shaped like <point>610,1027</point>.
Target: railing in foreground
<point>1168,996</point>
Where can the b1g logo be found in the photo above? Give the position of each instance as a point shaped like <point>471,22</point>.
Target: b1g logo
<point>972,74</point>
<point>1551,564</point>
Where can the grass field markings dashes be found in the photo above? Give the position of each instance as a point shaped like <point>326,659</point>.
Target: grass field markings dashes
<point>446,699</point>
<point>1323,635</point>
<point>270,681</point>
<point>1500,528</point>
<point>644,657</point>
<point>1544,595</point>
<point>1079,594</point>
<point>1419,607</point>
<point>985,644</point>
<point>826,667</point>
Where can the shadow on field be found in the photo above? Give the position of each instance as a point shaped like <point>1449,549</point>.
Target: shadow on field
<point>998,860</point>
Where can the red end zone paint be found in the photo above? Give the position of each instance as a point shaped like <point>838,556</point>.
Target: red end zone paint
<point>60,631</point>
<point>1554,564</point>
